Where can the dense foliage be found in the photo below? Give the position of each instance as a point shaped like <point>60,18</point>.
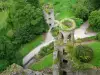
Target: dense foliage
<point>94,20</point>
<point>8,52</point>
<point>81,11</point>
<point>3,64</point>
<point>95,3</point>
<point>34,2</point>
<point>84,53</point>
<point>25,22</point>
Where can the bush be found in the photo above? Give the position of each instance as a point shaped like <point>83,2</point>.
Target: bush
<point>98,36</point>
<point>83,53</point>
<point>47,50</point>
<point>3,65</point>
<point>94,20</point>
<point>78,22</point>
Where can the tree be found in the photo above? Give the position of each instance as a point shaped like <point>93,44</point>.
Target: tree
<point>8,51</point>
<point>28,23</point>
<point>83,8</point>
<point>3,64</point>
<point>94,20</point>
<point>96,3</point>
<point>3,43</point>
<point>82,12</point>
<point>24,34</point>
<point>34,2</point>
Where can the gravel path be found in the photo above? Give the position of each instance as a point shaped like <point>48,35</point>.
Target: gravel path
<point>35,51</point>
<point>82,33</point>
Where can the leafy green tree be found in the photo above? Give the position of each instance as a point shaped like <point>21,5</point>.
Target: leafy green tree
<point>94,20</point>
<point>82,12</point>
<point>83,8</point>
<point>24,34</point>
<point>34,2</point>
<point>8,50</point>
<point>96,3</point>
<point>27,23</point>
<point>3,43</point>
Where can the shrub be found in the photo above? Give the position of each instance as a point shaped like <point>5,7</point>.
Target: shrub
<point>46,50</point>
<point>83,53</point>
<point>94,21</point>
<point>98,36</point>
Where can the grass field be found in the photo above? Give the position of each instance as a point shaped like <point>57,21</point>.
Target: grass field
<point>63,8</point>
<point>3,17</point>
<point>44,63</point>
<point>29,46</point>
<point>96,58</point>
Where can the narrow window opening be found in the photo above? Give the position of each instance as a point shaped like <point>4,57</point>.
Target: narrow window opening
<point>65,61</point>
<point>64,73</point>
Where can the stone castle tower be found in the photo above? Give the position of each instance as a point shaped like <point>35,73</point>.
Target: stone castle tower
<point>61,64</point>
<point>66,33</point>
<point>49,14</point>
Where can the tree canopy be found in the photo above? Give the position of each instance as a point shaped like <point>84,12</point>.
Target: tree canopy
<point>94,20</point>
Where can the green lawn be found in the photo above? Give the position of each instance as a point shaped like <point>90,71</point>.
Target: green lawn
<point>3,17</point>
<point>44,63</point>
<point>29,46</point>
<point>64,8</point>
<point>96,58</point>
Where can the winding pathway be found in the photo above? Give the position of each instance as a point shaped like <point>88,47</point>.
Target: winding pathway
<point>82,33</point>
<point>48,40</point>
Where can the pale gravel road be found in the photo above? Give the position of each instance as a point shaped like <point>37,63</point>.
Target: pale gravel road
<point>82,33</point>
<point>48,40</point>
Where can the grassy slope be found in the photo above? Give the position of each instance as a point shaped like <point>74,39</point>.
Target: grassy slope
<point>29,46</point>
<point>64,8</point>
<point>45,62</point>
<point>96,59</point>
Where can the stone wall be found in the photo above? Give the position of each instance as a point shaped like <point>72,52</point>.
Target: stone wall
<point>84,72</point>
